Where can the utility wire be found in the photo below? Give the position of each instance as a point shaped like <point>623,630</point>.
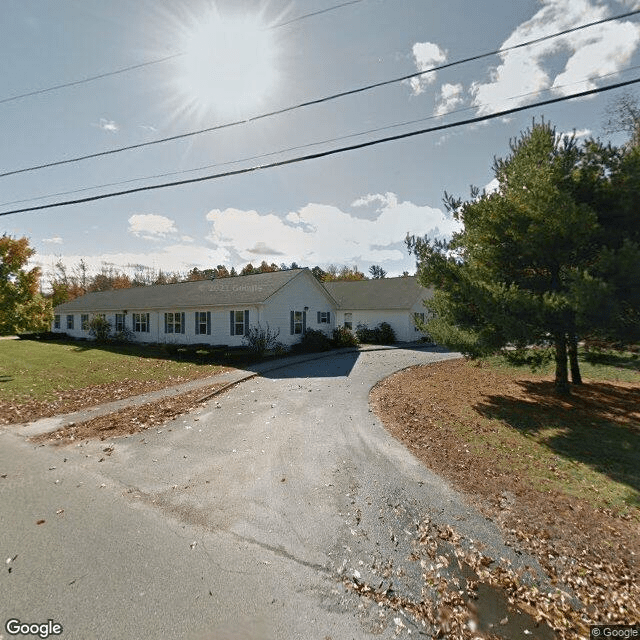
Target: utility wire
<point>100,76</point>
<point>308,144</point>
<point>73,83</point>
<point>315,13</point>
<point>310,102</point>
<point>324,154</point>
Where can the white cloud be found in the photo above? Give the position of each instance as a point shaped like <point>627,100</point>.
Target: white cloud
<point>323,234</point>
<point>54,240</point>
<point>151,226</point>
<point>450,97</point>
<point>592,52</point>
<point>425,56</point>
<point>108,125</point>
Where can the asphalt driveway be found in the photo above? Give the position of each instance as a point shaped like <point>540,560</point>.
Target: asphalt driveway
<point>235,521</point>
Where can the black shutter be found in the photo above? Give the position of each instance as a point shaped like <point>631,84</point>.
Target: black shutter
<point>233,333</point>
<point>304,322</point>
<point>182,319</point>
<point>208,323</point>
<point>292,326</point>
<point>318,317</point>
<point>165,323</point>
<point>246,322</point>
<point>197,316</point>
<point>329,317</point>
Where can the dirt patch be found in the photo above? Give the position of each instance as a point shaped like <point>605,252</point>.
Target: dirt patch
<point>72,400</point>
<point>459,420</point>
<point>130,420</point>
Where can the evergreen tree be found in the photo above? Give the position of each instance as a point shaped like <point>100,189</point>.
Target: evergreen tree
<point>537,260</point>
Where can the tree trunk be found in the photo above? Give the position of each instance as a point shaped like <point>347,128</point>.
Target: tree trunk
<point>562,372</point>
<point>576,378</point>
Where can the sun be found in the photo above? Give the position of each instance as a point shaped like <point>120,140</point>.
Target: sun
<point>228,65</point>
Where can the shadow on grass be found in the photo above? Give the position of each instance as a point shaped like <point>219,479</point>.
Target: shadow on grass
<point>599,425</point>
<point>6,378</point>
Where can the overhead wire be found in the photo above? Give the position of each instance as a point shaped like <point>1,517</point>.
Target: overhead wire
<point>315,101</point>
<point>149,63</point>
<point>327,153</point>
<point>310,144</point>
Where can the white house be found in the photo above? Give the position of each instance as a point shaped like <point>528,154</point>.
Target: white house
<point>220,311</point>
<point>398,301</point>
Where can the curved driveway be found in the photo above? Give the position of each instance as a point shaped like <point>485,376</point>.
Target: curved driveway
<point>235,521</point>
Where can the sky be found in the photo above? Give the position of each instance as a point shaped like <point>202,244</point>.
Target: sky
<point>231,60</point>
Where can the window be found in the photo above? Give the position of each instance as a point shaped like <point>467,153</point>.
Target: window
<point>84,321</point>
<point>239,322</point>
<point>348,320</point>
<point>324,317</point>
<point>56,321</point>
<point>174,322</point>
<point>120,322</point>
<point>70,321</point>
<point>418,317</point>
<point>298,322</point>
<point>203,323</point>
<point>141,322</point>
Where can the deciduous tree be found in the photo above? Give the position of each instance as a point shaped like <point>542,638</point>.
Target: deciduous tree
<point>22,307</point>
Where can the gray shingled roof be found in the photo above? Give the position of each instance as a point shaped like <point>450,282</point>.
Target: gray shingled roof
<point>239,290</point>
<point>386,293</point>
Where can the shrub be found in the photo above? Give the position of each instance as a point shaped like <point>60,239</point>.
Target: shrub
<point>312,342</point>
<point>100,328</point>
<point>259,340</point>
<point>343,337</point>
<point>123,337</point>
<point>382,334</point>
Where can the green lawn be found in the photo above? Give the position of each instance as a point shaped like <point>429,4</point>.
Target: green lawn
<point>37,370</point>
<point>587,445</point>
<point>612,366</point>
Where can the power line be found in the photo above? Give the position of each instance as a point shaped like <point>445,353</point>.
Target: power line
<point>74,83</point>
<point>115,72</point>
<point>308,103</point>
<point>324,154</point>
<point>309,144</point>
<point>315,13</point>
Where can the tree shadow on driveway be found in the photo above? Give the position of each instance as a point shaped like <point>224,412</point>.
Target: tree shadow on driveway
<point>598,425</point>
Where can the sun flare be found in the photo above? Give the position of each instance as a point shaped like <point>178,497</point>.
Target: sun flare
<point>228,65</point>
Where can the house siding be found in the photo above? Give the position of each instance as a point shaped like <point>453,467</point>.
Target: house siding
<point>303,291</point>
<point>401,320</point>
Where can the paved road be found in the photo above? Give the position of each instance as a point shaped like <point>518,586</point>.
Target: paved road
<point>235,521</point>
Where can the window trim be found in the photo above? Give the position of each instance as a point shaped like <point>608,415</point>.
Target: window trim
<point>298,319</point>
<point>324,317</point>
<point>84,321</point>
<point>174,322</point>
<point>417,315</point>
<point>70,320</point>
<point>141,323</point>
<point>123,318</point>
<point>348,324</point>
<point>234,323</point>
<point>203,321</point>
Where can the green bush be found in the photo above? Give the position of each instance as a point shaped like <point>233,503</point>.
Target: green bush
<point>382,334</point>
<point>312,342</point>
<point>343,337</point>
<point>100,328</point>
